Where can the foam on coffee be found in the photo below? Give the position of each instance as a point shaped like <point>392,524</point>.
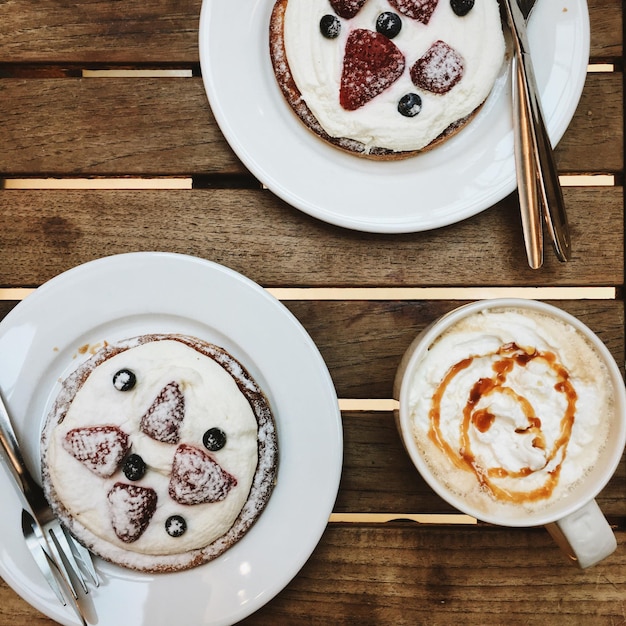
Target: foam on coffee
<point>510,408</point>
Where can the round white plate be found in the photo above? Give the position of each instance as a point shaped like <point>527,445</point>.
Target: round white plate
<point>131,294</point>
<point>467,174</point>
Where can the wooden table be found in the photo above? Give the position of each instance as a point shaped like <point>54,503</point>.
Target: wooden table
<point>97,162</point>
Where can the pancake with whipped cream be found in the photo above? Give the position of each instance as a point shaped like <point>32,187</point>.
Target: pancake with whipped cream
<point>160,452</point>
<point>386,78</point>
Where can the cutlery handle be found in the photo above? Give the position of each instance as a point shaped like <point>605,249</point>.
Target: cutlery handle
<point>526,167</point>
<point>9,443</point>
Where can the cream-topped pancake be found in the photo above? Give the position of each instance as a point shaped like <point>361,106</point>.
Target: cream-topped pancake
<point>160,452</point>
<point>386,76</point>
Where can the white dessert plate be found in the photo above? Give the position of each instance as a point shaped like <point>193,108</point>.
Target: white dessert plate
<point>465,175</point>
<point>131,294</point>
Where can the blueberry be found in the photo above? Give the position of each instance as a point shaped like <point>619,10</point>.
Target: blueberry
<point>330,26</point>
<point>462,7</point>
<point>134,467</point>
<point>389,24</point>
<point>124,380</point>
<point>214,439</point>
<point>410,105</point>
<point>175,525</point>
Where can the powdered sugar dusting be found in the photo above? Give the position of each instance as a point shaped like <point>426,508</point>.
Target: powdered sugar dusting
<point>131,508</point>
<point>420,10</point>
<point>347,8</point>
<point>197,477</point>
<point>439,70</point>
<point>163,418</point>
<point>100,448</point>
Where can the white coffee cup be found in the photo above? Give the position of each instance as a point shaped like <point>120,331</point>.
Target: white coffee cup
<point>574,519</point>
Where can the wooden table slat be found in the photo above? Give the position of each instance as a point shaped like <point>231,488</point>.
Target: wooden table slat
<point>107,127</point>
<point>362,342</point>
<point>407,574</point>
<point>47,232</point>
<point>378,476</point>
<point>163,31</point>
<point>442,576</point>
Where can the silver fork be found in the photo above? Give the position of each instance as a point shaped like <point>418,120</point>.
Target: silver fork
<point>541,198</point>
<point>56,553</point>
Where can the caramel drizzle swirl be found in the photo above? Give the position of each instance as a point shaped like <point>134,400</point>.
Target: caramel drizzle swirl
<point>509,356</point>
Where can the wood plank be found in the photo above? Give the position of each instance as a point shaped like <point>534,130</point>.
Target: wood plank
<point>106,127</point>
<point>162,31</point>
<point>251,231</point>
<point>405,575</point>
<point>362,342</point>
<point>360,576</point>
<point>99,31</point>
<point>379,477</point>
<point>606,18</point>
<point>587,132</point>
<point>6,307</point>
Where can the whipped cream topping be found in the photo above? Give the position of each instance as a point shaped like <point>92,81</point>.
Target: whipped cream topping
<point>316,65</point>
<point>511,407</point>
<point>211,399</point>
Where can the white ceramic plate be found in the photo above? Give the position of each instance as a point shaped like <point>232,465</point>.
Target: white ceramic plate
<point>130,294</point>
<point>469,173</point>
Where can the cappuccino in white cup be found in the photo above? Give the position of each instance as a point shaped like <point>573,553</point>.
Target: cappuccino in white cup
<point>514,412</point>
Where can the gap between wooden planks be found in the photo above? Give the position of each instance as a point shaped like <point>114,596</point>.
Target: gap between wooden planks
<point>406,293</point>
<point>420,518</point>
<point>136,183</point>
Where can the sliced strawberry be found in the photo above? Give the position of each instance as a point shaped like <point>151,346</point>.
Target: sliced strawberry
<point>131,508</point>
<point>347,8</point>
<point>163,419</point>
<point>197,478</point>
<point>371,63</point>
<point>420,10</point>
<point>440,69</point>
<point>99,448</point>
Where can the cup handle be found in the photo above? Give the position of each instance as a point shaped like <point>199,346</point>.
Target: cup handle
<point>585,535</point>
